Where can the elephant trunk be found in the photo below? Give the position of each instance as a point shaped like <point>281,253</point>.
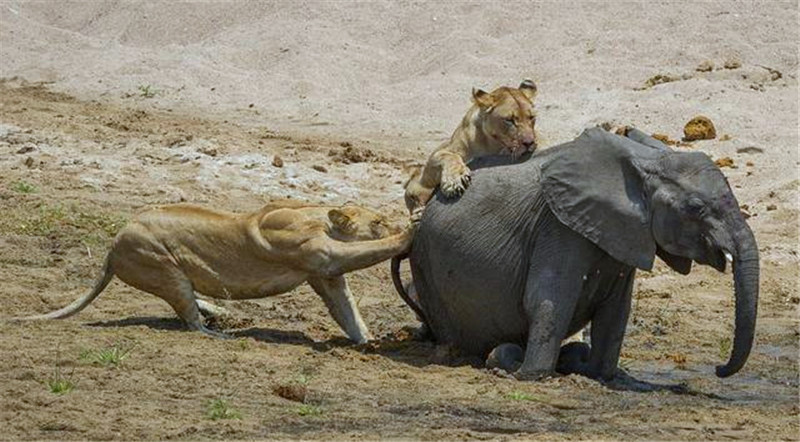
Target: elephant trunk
<point>745,276</point>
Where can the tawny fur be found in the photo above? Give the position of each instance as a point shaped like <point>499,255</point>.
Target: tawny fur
<point>175,251</point>
<point>500,122</point>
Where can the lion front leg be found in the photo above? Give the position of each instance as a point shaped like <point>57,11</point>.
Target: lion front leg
<point>447,170</point>
<point>342,306</point>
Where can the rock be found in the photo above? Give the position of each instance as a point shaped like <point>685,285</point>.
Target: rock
<point>771,207</point>
<point>27,147</point>
<point>351,154</point>
<point>208,150</point>
<point>699,128</point>
<point>725,162</point>
<point>750,149</point>
<point>319,168</point>
<point>725,137</point>
<point>277,161</point>
<point>745,209</point>
<point>659,79</point>
<point>732,63</point>
<point>29,162</point>
<point>774,74</point>
<point>664,139</point>
<point>292,392</point>
<point>706,66</point>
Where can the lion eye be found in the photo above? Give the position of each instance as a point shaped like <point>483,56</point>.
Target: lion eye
<point>510,121</point>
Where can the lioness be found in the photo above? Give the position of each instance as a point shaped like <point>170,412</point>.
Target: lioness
<point>173,251</point>
<point>500,122</point>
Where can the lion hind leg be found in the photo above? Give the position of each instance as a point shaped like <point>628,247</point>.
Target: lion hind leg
<point>182,299</point>
<point>210,310</point>
<point>175,288</point>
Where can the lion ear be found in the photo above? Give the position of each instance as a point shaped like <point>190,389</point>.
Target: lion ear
<point>482,98</point>
<point>528,88</point>
<point>340,220</point>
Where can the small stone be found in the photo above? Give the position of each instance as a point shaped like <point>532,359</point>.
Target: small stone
<point>732,63</point>
<point>659,79</point>
<point>345,144</point>
<point>208,150</point>
<point>319,168</point>
<point>749,164</point>
<point>29,162</point>
<point>725,162</point>
<point>28,147</point>
<point>699,128</point>
<point>706,66</point>
<point>771,207</point>
<point>750,149</point>
<point>277,161</point>
<point>292,392</point>
<point>725,137</point>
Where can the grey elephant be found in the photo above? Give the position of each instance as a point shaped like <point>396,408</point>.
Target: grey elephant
<point>535,251</point>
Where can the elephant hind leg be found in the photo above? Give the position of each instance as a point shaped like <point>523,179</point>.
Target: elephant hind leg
<point>506,356</point>
<point>572,358</point>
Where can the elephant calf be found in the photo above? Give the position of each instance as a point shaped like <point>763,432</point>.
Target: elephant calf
<point>537,250</point>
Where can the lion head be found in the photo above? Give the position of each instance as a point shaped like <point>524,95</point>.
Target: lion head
<point>355,223</point>
<point>507,117</point>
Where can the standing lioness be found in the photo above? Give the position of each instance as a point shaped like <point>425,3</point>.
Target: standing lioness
<point>173,251</point>
<point>500,122</point>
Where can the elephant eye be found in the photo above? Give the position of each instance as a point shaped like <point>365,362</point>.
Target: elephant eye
<point>695,206</point>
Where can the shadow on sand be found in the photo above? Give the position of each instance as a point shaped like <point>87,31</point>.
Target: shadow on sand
<point>401,346</point>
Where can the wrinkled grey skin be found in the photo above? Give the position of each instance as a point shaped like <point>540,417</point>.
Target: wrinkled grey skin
<point>535,251</point>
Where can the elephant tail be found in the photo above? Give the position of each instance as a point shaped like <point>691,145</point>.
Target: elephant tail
<point>401,289</point>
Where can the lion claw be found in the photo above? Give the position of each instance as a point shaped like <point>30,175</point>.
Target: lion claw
<point>416,215</point>
<point>454,187</point>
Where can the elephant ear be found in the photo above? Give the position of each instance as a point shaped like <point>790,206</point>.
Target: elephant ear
<point>596,186</point>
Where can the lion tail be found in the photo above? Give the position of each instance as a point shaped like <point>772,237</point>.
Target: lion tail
<point>80,303</point>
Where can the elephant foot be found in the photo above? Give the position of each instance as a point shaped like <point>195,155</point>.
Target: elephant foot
<point>573,358</point>
<point>422,333</point>
<point>538,375</point>
<point>506,357</point>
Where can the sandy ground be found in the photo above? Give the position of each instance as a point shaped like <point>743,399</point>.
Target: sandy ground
<point>109,107</point>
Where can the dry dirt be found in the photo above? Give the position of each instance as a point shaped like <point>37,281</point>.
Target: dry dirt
<point>79,156</point>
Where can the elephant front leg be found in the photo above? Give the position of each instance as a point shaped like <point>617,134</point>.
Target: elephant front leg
<point>608,328</point>
<point>550,299</point>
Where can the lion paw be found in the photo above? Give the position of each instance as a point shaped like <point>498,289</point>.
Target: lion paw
<point>416,215</point>
<point>455,184</point>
